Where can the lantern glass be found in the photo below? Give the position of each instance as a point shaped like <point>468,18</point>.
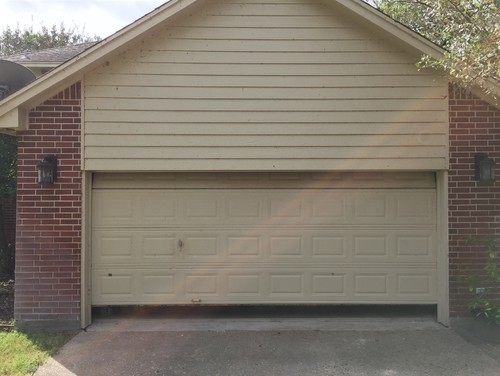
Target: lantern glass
<point>47,170</point>
<point>485,169</point>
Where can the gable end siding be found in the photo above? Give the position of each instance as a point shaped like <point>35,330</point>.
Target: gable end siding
<point>275,85</point>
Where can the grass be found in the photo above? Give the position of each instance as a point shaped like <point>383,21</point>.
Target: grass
<point>22,353</point>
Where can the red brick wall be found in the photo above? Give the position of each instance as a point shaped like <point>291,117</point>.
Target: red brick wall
<point>49,217</point>
<point>9,216</point>
<point>473,208</point>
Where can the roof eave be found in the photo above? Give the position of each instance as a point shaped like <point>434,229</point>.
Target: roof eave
<point>489,92</point>
<point>386,23</point>
<point>40,64</point>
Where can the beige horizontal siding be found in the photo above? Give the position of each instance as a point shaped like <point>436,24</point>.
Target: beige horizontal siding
<point>271,57</point>
<point>264,85</point>
<point>282,33</point>
<point>259,164</point>
<point>421,130</point>
<point>183,140</point>
<point>271,152</point>
<point>260,80</point>
<point>279,116</point>
<point>319,105</point>
<point>425,94</point>
<point>350,71</point>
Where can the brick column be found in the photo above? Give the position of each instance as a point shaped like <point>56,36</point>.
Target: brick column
<point>48,237</point>
<point>473,208</point>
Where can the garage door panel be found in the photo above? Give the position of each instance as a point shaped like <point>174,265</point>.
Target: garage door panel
<point>248,245</point>
<point>132,247</point>
<point>236,285</point>
<point>418,207</point>
<point>394,207</point>
<point>286,206</point>
<point>244,246</point>
<point>158,285</point>
<point>329,244</point>
<point>392,245</point>
<point>263,245</point>
<point>113,286</point>
<point>244,284</point>
<point>115,247</point>
<point>201,284</point>
<point>371,284</point>
<point>286,284</point>
<point>143,208</point>
<point>205,246</point>
<point>328,207</point>
<point>416,245</point>
<point>157,246</point>
<point>328,285</point>
<point>198,208</point>
<point>245,208</point>
<point>415,284</point>
<point>371,206</point>
<point>286,246</point>
<point>117,208</point>
<point>156,207</point>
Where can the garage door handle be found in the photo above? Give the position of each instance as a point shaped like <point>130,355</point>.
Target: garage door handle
<point>180,244</point>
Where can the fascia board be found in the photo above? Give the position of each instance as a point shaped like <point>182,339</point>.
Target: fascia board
<point>40,64</point>
<point>15,119</point>
<point>387,24</point>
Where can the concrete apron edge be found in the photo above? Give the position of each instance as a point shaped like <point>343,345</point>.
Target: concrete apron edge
<point>262,324</point>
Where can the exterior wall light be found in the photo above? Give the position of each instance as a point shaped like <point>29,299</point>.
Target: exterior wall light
<point>47,170</point>
<point>484,168</point>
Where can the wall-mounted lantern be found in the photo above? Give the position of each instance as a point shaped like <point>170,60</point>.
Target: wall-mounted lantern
<point>484,168</point>
<point>47,170</point>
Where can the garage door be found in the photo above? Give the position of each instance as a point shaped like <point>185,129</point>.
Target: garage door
<point>264,238</point>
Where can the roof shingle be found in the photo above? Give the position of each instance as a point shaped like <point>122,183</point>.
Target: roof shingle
<point>51,55</point>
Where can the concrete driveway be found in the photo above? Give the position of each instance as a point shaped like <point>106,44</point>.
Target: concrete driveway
<point>401,345</point>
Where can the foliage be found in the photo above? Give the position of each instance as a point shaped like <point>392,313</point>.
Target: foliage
<point>486,302</point>
<point>6,301</point>
<point>8,165</point>
<point>22,353</point>
<point>7,257</point>
<point>8,151</point>
<point>468,29</point>
<point>13,41</point>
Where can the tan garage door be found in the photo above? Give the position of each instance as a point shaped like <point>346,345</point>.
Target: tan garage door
<point>263,238</point>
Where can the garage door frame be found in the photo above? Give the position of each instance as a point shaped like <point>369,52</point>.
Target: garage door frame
<point>443,307</point>
<point>442,254</point>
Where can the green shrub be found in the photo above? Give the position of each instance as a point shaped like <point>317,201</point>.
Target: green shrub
<point>486,302</point>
